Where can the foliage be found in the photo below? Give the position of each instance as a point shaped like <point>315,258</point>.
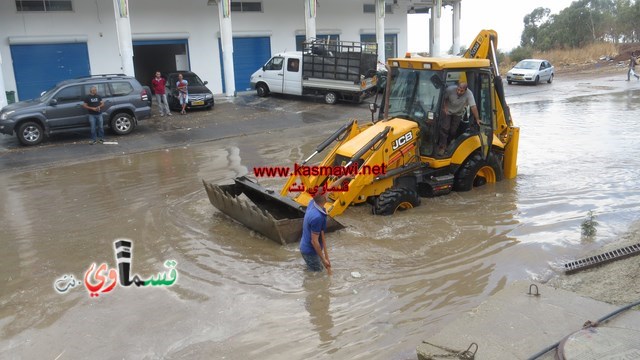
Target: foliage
<point>589,225</point>
<point>582,23</point>
<point>520,53</point>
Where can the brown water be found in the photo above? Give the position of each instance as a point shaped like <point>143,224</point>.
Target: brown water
<point>239,296</point>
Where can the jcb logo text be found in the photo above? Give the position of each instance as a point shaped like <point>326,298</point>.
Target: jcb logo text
<point>402,140</point>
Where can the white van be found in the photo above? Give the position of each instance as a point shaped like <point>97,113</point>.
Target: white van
<point>335,71</point>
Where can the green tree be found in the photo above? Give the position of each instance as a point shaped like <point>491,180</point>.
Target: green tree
<point>532,22</point>
<point>582,23</point>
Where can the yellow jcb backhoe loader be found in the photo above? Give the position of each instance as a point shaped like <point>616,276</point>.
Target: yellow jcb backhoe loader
<point>401,145</point>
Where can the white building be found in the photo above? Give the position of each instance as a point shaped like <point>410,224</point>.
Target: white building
<point>45,41</point>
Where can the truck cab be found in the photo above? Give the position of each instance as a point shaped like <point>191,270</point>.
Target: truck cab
<point>282,74</point>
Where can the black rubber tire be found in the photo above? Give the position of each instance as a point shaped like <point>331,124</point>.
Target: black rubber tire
<point>537,81</point>
<point>477,172</point>
<point>550,79</point>
<point>30,133</point>
<point>395,199</point>
<point>122,124</point>
<point>508,82</point>
<point>330,98</point>
<point>262,90</point>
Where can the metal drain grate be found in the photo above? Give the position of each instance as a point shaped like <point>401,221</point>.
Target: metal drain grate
<point>593,261</point>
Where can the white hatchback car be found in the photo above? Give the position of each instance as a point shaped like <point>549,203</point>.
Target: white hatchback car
<point>531,71</point>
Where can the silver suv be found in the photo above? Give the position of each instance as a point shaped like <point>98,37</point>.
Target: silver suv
<point>60,109</point>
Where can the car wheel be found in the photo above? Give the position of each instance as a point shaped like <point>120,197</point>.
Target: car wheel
<point>395,199</point>
<point>330,98</point>
<point>262,90</point>
<point>30,133</point>
<point>537,80</point>
<point>550,79</point>
<point>477,172</point>
<point>509,82</point>
<point>122,124</point>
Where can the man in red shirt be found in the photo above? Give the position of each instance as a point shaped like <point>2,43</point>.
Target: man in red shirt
<point>158,83</point>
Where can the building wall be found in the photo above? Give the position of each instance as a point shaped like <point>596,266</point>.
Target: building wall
<point>93,19</point>
<point>282,20</point>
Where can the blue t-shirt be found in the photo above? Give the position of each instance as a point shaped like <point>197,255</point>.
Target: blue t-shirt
<point>315,220</point>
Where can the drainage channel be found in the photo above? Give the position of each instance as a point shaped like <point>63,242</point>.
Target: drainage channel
<point>597,260</point>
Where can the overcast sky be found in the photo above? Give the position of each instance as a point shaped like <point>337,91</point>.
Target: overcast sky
<point>505,17</point>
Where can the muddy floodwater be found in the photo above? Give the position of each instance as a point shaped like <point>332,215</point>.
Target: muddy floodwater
<point>237,295</point>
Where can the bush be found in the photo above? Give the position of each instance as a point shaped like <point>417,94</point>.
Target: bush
<point>589,225</point>
<point>520,53</point>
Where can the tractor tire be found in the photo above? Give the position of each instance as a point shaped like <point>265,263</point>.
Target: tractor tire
<point>395,199</point>
<point>477,172</point>
<point>262,90</point>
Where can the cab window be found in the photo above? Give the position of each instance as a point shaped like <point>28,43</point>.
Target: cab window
<point>274,64</point>
<point>293,65</point>
<point>484,102</point>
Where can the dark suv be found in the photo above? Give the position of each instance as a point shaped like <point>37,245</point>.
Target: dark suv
<point>60,109</point>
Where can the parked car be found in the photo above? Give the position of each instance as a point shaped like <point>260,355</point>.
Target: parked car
<point>199,95</point>
<point>531,71</point>
<point>60,108</point>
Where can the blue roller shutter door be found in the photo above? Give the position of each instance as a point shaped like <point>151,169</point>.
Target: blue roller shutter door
<point>249,54</point>
<point>39,67</point>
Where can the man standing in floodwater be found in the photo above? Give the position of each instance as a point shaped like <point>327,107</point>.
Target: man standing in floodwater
<point>313,245</point>
<point>632,66</point>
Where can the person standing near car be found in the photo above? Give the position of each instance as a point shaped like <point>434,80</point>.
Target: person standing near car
<point>159,85</point>
<point>93,103</point>
<point>183,93</point>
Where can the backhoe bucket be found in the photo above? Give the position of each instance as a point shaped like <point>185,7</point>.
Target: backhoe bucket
<point>277,217</point>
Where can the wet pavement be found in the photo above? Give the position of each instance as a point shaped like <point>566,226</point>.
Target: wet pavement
<point>240,296</point>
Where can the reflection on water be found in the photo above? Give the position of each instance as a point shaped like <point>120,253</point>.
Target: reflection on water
<point>240,296</point>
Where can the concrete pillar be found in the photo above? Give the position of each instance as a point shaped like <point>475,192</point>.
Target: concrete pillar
<point>380,13</point>
<point>226,37</point>
<point>123,29</point>
<point>434,45</point>
<point>456,26</point>
<point>310,7</point>
<point>3,95</point>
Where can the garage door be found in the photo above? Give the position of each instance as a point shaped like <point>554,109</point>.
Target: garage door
<point>39,67</point>
<point>249,54</point>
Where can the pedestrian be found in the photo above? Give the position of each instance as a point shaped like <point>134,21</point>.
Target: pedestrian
<point>456,99</point>
<point>93,103</point>
<point>313,244</point>
<point>159,85</point>
<point>632,66</point>
<point>183,92</point>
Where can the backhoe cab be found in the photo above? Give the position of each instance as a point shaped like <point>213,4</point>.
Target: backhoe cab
<point>403,142</point>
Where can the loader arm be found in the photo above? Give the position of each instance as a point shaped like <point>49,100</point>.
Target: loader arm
<point>347,131</point>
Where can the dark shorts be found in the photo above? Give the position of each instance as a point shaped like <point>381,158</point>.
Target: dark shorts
<point>313,262</point>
